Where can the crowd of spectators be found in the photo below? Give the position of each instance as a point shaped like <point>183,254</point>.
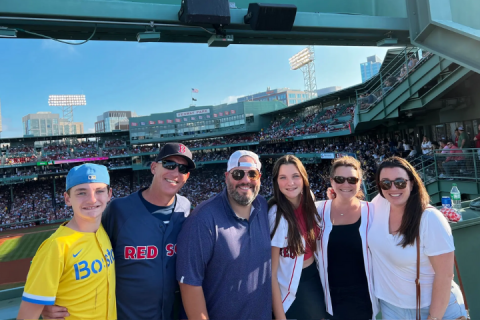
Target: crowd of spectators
<point>19,150</point>
<point>115,143</point>
<point>210,156</point>
<point>143,149</point>
<point>20,160</point>
<point>36,200</point>
<point>116,152</point>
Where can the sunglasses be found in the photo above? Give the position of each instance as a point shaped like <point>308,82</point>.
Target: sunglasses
<point>171,165</point>
<point>400,183</point>
<point>239,174</point>
<point>350,180</point>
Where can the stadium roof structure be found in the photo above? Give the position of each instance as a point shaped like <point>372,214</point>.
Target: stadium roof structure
<point>347,92</point>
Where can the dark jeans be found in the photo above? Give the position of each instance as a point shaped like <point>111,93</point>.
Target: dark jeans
<point>351,303</point>
<point>309,301</point>
<point>452,167</point>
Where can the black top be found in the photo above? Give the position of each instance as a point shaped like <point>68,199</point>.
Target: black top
<point>345,256</point>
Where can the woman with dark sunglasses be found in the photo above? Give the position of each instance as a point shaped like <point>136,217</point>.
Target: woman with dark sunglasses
<point>402,216</point>
<point>294,223</point>
<point>345,261</point>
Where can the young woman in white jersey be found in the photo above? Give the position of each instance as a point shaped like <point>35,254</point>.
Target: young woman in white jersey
<point>403,215</point>
<point>294,223</point>
<point>345,261</point>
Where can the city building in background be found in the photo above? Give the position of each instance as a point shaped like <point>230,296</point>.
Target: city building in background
<point>324,91</point>
<point>113,120</point>
<point>49,124</point>
<point>370,68</point>
<point>285,95</point>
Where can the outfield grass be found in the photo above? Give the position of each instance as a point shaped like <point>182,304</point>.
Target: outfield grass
<point>30,230</point>
<point>24,247</point>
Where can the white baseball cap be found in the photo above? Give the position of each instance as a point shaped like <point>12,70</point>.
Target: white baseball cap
<point>234,160</point>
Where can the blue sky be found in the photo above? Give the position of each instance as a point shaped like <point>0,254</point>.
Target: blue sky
<point>153,77</point>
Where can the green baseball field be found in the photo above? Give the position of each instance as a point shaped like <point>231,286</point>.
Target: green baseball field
<point>17,248</point>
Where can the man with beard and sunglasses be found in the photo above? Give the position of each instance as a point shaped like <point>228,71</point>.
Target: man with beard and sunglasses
<point>143,229</point>
<point>224,253</point>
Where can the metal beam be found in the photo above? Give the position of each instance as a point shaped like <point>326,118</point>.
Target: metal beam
<point>122,20</point>
<point>441,27</point>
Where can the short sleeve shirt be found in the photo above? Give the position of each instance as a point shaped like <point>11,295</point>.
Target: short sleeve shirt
<point>428,147</point>
<point>394,267</point>
<point>75,270</point>
<point>229,257</point>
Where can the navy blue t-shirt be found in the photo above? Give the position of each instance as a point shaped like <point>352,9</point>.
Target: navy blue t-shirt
<point>229,257</point>
<point>145,256</point>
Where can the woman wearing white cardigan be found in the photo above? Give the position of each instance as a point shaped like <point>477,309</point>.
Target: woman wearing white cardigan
<point>342,249</point>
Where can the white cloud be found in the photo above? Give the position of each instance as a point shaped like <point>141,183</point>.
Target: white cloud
<point>91,130</point>
<point>230,99</point>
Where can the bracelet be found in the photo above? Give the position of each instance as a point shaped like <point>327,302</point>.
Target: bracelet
<point>432,318</point>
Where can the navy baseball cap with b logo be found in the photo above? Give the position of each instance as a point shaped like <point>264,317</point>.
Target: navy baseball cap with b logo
<point>176,149</point>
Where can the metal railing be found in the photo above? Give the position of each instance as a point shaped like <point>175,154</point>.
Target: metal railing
<point>463,165</point>
<point>393,74</point>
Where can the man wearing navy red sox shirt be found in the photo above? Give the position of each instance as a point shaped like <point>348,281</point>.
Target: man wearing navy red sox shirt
<point>143,229</point>
<point>224,251</point>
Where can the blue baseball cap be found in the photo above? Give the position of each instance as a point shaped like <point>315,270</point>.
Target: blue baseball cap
<point>87,173</point>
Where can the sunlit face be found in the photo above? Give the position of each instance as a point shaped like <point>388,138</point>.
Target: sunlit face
<point>88,200</point>
<point>242,191</point>
<point>169,181</point>
<point>346,190</point>
<point>290,181</point>
<point>396,197</point>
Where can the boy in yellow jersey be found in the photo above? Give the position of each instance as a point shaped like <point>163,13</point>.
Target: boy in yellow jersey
<point>75,267</point>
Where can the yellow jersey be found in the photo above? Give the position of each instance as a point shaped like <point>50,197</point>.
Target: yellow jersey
<point>75,270</point>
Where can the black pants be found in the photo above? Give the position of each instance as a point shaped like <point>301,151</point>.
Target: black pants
<point>351,303</point>
<point>309,301</point>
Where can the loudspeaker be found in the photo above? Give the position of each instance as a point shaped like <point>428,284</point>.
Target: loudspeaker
<point>204,12</point>
<point>271,17</point>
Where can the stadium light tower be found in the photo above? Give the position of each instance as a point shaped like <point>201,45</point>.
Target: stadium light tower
<point>305,61</point>
<point>67,103</point>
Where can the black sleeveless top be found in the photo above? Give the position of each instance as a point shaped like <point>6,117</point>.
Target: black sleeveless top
<point>345,256</point>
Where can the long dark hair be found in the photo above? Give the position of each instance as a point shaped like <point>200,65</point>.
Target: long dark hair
<point>285,208</point>
<point>348,161</point>
<point>417,201</point>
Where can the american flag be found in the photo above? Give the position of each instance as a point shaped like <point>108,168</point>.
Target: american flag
<point>194,90</point>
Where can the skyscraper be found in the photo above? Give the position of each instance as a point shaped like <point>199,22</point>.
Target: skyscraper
<point>370,68</point>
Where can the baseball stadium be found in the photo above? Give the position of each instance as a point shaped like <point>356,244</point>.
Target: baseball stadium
<point>425,91</point>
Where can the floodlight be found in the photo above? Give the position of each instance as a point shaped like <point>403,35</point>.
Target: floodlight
<point>305,61</point>
<point>302,58</point>
<point>66,100</point>
<point>67,103</point>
